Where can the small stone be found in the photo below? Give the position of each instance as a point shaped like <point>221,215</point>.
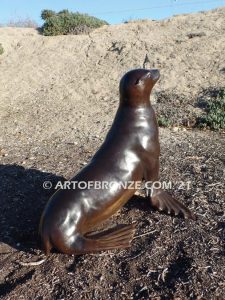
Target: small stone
<point>2,152</point>
<point>175,129</point>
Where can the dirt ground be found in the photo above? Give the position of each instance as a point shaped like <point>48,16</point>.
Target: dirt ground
<point>58,97</point>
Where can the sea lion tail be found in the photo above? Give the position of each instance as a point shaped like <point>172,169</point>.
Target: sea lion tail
<point>46,245</point>
<point>164,202</point>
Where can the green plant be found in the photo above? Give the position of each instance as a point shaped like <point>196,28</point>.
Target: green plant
<point>163,121</point>
<point>1,49</point>
<point>47,13</point>
<point>66,22</point>
<point>64,11</point>
<point>214,117</point>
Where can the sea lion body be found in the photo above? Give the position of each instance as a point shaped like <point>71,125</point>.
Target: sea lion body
<point>129,153</point>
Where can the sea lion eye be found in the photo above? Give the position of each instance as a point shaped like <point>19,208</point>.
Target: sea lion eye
<point>138,81</point>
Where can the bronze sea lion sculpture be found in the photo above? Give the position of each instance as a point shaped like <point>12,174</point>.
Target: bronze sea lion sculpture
<point>130,152</point>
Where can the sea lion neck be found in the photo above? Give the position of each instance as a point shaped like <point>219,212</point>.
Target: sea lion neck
<point>135,102</point>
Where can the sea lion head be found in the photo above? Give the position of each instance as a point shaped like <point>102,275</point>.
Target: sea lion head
<point>136,86</point>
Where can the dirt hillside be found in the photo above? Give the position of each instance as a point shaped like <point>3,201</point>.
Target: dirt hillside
<point>58,98</point>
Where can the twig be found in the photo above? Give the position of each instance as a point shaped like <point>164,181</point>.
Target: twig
<point>32,263</point>
<point>146,233</point>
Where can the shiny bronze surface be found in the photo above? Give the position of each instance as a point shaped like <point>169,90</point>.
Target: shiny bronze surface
<point>130,152</point>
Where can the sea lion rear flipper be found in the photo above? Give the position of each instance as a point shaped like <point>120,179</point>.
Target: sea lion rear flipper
<point>111,239</point>
<point>164,202</point>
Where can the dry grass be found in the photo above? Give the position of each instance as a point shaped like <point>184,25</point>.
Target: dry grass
<point>23,23</point>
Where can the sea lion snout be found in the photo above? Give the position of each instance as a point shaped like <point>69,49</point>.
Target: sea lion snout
<point>145,75</point>
<point>154,74</point>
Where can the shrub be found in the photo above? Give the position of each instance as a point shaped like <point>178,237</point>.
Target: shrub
<point>214,117</point>
<point>65,22</point>
<point>163,121</point>
<point>64,11</point>
<point>47,13</point>
<point>1,49</point>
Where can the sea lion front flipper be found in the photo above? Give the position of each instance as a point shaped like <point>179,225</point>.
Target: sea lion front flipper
<point>164,202</point>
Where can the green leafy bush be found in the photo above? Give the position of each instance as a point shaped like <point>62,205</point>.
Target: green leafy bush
<point>214,118</point>
<point>47,13</point>
<point>64,11</point>
<point>163,121</point>
<point>65,22</point>
<point>1,49</point>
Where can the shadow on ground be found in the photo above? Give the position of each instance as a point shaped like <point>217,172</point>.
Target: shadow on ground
<point>22,199</point>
